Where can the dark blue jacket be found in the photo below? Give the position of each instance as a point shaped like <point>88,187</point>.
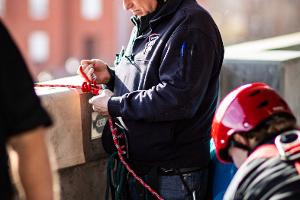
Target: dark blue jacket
<point>166,86</point>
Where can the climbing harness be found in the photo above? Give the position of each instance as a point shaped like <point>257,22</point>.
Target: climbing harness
<point>287,146</point>
<point>92,87</point>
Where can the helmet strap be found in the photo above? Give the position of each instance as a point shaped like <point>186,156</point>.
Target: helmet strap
<point>240,145</point>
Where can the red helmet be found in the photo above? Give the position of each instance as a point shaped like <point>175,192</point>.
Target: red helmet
<point>241,111</point>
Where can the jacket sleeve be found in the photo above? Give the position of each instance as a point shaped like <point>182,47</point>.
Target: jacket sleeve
<point>110,84</point>
<point>186,67</point>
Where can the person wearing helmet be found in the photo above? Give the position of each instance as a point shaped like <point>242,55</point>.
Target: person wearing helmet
<point>255,128</point>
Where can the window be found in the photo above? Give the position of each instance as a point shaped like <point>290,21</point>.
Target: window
<point>90,47</point>
<point>91,9</point>
<point>38,9</point>
<point>38,44</point>
<point>2,7</point>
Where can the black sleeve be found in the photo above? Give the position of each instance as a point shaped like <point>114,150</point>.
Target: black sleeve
<point>110,84</point>
<point>21,108</point>
<point>185,72</point>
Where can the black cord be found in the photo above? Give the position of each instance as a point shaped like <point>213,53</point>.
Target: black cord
<point>131,60</point>
<point>190,193</point>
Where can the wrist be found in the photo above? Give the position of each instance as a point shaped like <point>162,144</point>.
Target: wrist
<point>114,106</point>
<point>108,75</point>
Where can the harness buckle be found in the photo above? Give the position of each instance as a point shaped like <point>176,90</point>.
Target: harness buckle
<point>288,145</point>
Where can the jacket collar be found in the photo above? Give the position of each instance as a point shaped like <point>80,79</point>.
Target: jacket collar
<point>169,7</point>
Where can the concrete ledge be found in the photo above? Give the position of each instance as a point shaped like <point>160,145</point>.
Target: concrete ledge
<point>275,61</point>
<point>279,48</point>
<point>86,181</point>
<point>76,133</point>
<point>76,138</point>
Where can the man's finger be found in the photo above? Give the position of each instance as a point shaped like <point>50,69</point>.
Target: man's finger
<point>86,62</point>
<point>87,68</point>
<point>89,73</point>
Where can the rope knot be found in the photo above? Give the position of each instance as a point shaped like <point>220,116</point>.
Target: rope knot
<point>91,87</point>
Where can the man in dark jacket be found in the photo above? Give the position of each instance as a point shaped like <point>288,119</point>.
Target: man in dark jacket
<point>165,90</point>
<point>254,127</point>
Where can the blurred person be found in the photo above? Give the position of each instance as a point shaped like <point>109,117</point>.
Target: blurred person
<point>255,128</point>
<point>220,174</point>
<point>162,92</point>
<point>22,122</point>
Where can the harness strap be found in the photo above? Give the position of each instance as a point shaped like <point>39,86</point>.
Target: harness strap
<point>294,148</point>
<point>116,179</point>
<point>297,166</point>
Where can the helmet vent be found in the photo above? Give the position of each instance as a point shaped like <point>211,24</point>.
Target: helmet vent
<point>263,104</point>
<point>254,93</point>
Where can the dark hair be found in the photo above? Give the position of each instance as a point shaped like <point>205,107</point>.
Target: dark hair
<point>272,127</point>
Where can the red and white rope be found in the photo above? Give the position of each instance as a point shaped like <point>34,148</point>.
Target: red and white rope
<point>120,154</point>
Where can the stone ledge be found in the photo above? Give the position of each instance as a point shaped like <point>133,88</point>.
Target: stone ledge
<point>76,134</point>
<point>275,61</point>
<point>277,49</point>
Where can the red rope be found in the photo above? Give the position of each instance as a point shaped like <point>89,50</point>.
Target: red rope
<point>85,87</point>
<point>92,87</point>
<point>58,85</point>
<point>83,74</point>
<point>120,152</point>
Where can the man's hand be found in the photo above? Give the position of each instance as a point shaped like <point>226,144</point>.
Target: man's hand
<point>100,102</point>
<point>96,68</point>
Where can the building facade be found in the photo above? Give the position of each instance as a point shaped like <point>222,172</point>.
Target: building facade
<point>50,32</point>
